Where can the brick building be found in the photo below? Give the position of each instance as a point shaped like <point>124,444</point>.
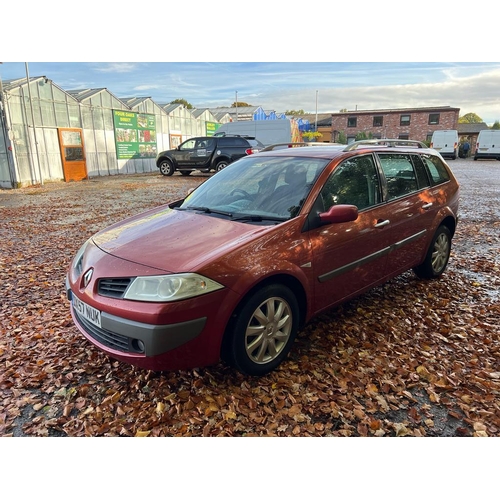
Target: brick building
<point>407,123</point>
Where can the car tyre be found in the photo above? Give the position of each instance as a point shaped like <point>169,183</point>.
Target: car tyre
<point>167,168</point>
<point>263,330</point>
<point>437,256</point>
<point>220,165</point>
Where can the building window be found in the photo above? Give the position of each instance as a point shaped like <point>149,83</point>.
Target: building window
<point>404,120</point>
<point>403,136</point>
<point>433,118</point>
<point>429,137</point>
<point>352,121</point>
<point>378,121</point>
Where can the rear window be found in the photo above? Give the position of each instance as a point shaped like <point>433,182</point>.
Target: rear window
<point>255,143</point>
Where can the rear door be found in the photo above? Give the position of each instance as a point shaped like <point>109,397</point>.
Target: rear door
<point>350,257</point>
<point>412,207</point>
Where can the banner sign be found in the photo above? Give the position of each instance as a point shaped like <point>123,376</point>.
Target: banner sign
<point>135,135</point>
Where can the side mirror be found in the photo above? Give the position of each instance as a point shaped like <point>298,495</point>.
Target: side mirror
<point>338,214</point>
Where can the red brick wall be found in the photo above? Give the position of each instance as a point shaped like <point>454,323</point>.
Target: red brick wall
<point>418,129</point>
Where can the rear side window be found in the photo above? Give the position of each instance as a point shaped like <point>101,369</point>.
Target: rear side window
<point>436,168</point>
<point>421,170</point>
<point>231,142</point>
<point>399,173</point>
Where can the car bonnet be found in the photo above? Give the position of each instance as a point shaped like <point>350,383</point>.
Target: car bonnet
<point>175,241</point>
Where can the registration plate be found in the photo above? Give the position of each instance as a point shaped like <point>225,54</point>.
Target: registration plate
<point>88,312</point>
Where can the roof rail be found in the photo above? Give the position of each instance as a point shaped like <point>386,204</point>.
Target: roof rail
<point>384,142</point>
<point>284,145</point>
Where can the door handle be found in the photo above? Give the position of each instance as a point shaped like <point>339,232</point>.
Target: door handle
<point>382,223</point>
<point>427,206</point>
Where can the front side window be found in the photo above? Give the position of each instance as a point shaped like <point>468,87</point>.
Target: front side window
<point>399,174</point>
<point>404,120</point>
<point>189,144</point>
<point>354,182</point>
<point>352,121</point>
<point>434,119</point>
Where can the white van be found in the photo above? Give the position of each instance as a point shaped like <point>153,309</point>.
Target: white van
<point>446,143</point>
<point>488,145</point>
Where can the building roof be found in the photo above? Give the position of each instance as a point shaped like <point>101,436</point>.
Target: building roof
<point>82,94</point>
<point>471,128</point>
<point>396,110</point>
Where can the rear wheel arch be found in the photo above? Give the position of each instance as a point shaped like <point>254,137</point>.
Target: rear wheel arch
<point>218,161</point>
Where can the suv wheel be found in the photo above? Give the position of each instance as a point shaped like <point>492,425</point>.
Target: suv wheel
<point>220,165</point>
<point>166,167</point>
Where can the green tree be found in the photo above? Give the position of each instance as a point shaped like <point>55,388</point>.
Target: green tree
<point>342,138</point>
<point>343,110</point>
<point>361,136</point>
<point>470,118</point>
<point>496,125</point>
<point>238,104</point>
<point>295,112</point>
<point>183,102</point>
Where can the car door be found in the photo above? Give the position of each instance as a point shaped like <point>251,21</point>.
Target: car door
<point>350,257</point>
<point>183,155</point>
<point>412,208</point>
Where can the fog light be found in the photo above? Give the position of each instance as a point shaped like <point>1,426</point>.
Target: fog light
<point>138,345</point>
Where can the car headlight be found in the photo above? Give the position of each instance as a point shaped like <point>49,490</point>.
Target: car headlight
<point>168,288</point>
<point>77,261</point>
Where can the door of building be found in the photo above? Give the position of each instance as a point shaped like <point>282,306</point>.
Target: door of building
<point>72,154</point>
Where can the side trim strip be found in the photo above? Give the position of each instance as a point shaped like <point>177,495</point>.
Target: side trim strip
<point>373,256</point>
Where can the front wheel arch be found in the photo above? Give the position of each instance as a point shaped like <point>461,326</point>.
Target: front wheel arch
<point>227,346</point>
<point>166,166</point>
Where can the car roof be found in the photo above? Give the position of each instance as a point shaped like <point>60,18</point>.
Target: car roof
<point>331,151</point>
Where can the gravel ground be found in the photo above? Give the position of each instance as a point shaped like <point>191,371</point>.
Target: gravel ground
<point>91,205</point>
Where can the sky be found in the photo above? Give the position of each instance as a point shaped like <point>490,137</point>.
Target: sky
<point>282,86</point>
<point>296,60</point>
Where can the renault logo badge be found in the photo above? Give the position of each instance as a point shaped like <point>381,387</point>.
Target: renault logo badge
<point>87,277</point>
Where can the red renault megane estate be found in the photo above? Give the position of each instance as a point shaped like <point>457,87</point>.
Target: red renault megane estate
<point>235,269</point>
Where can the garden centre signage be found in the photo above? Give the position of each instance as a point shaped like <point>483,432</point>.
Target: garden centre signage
<point>135,135</point>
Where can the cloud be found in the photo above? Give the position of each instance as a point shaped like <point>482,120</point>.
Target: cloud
<point>116,68</point>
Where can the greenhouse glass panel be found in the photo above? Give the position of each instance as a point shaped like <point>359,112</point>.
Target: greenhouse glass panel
<point>108,120</point>
<point>20,139</point>
<point>106,100</point>
<point>61,110</point>
<point>16,110</point>
<point>98,118</point>
<point>87,118</point>
<point>74,116</point>
<point>48,113</point>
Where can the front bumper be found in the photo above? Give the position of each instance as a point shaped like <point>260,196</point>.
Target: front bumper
<point>132,337</point>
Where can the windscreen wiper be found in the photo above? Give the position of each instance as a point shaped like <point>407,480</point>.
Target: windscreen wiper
<point>206,210</point>
<point>259,218</point>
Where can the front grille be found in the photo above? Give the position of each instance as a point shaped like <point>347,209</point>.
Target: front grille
<point>113,287</point>
<point>105,337</point>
